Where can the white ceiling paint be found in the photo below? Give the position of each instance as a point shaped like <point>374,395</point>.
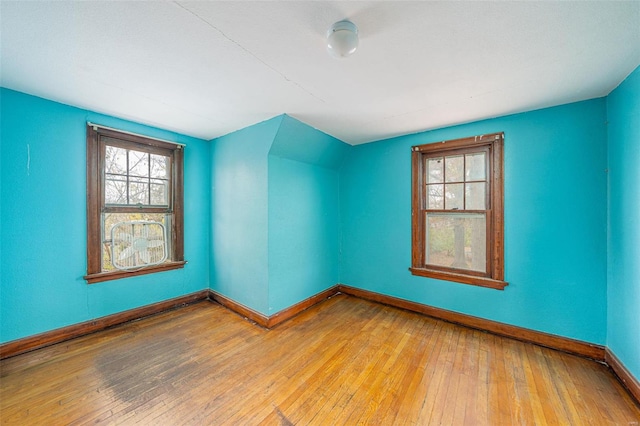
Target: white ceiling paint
<point>208,68</point>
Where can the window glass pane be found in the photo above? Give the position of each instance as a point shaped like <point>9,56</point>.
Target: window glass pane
<point>138,163</point>
<point>456,240</point>
<point>115,160</point>
<point>159,192</point>
<point>159,166</point>
<point>115,189</point>
<point>138,191</point>
<point>435,198</point>
<point>454,168</point>
<point>434,170</point>
<point>475,166</point>
<point>475,196</point>
<point>110,219</point>
<point>454,196</point>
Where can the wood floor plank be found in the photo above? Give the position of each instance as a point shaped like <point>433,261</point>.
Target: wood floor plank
<point>433,407</point>
<point>481,404</point>
<point>345,361</point>
<point>386,352</point>
<point>537,411</point>
<point>413,374</point>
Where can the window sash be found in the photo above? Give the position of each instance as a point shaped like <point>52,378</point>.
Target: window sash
<point>455,246</point>
<point>104,142</point>
<point>426,157</point>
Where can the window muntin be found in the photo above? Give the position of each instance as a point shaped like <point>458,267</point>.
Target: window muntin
<point>131,178</point>
<point>457,211</point>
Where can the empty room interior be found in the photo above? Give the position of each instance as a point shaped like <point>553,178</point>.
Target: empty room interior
<point>327,213</point>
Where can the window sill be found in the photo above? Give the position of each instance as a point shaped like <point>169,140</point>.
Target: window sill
<point>460,278</point>
<point>116,275</point>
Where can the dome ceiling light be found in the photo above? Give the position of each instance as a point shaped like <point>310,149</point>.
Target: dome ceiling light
<point>342,39</point>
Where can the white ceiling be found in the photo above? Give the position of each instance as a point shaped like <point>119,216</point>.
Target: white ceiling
<point>208,68</point>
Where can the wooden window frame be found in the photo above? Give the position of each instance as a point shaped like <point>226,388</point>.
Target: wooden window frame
<point>494,277</point>
<point>96,201</point>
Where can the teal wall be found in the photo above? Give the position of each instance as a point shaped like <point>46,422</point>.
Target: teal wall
<point>239,220</point>
<point>555,222</point>
<point>43,224</point>
<point>623,297</point>
<point>275,223</point>
<point>304,213</point>
<point>278,212</point>
<point>1,198</point>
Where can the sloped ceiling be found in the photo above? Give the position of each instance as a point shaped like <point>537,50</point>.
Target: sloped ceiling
<point>208,68</point>
<point>300,142</point>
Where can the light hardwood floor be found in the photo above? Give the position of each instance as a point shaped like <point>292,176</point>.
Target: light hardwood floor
<point>345,361</point>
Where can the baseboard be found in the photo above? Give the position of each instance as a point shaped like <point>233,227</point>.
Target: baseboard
<point>255,316</point>
<point>277,318</point>
<point>584,349</point>
<point>37,341</point>
<point>576,347</point>
<point>624,375</point>
<point>294,310</point>
<point>565,344</point>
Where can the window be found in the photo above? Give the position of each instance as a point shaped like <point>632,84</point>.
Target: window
<point>132,178</point>
<point>457,211</point>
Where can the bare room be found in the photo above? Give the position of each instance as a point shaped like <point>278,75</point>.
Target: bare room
<point>320,213</point>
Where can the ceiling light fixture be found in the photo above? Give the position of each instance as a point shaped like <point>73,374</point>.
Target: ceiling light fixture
<point>342,39</point>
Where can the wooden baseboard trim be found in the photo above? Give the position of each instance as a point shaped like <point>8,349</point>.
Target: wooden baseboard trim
<point>565,344</point>
<point>255,316</point>
<point>576,347</point>
<point>294,310</point>
<point>37,341</point>
<point>277,318</point>
<point>628,380</point>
